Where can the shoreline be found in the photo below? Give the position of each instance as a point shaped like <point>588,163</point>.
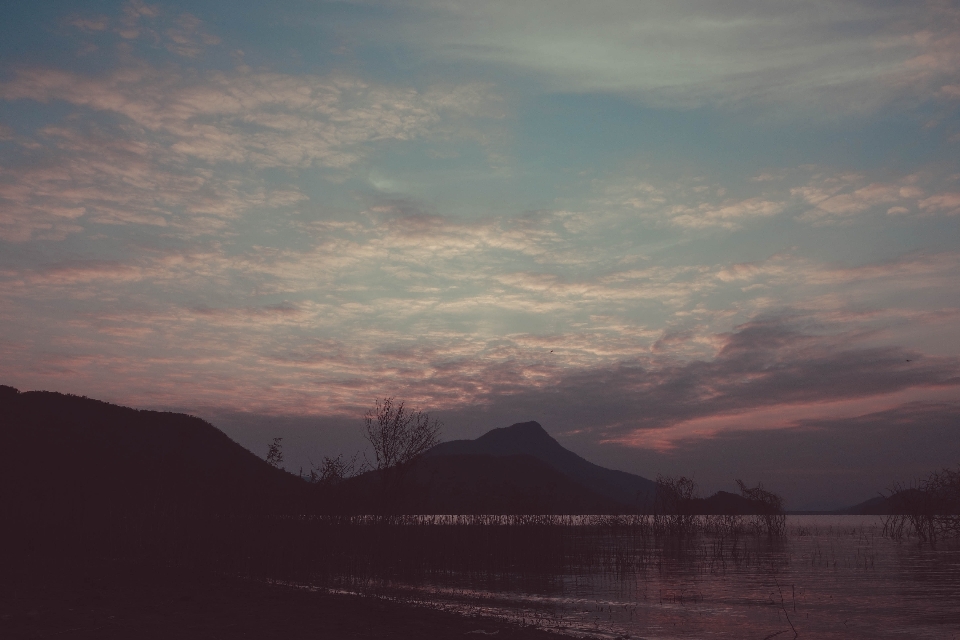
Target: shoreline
<point>114,601</point>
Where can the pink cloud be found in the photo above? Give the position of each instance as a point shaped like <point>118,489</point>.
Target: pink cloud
<point>188,38</point>
<point>154,173</point>
<point>693,205</point>
<point>265,119</point>
<point>100,23</point>
<point>948,203</point>
<point>133,11</point>
<point>105,178</point>
<point>819,195</point>
<point>728,214</point>
<point>783,416</point>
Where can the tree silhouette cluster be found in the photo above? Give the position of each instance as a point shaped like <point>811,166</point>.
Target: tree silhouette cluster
<point>398,436</point>
<point>673,513</point>
<point>679,511</point>
<point>333,471</point>
<point>275,453</point>
<point>931,507</point>
<point>770,518</point>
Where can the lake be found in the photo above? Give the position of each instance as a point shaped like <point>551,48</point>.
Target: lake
<point>829,577</point>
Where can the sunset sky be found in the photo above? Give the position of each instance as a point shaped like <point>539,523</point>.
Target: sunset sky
<point>719,239</point>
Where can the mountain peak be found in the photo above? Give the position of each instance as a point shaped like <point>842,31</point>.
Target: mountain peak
<point>529,438</point>
<point>531,428</point>
<point>532,425</point>
<point>522,437</point>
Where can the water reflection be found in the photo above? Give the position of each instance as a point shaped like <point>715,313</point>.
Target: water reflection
<point>830,577</point>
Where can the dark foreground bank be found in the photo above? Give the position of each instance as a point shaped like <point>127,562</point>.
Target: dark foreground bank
<point>118,601</point>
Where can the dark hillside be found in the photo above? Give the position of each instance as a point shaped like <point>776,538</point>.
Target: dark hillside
<point>484,484</point>
<point>529,438</point>
<point>72,462</point>
<point>725,503</point>
<point>879,505</point>
<point>893,504</point>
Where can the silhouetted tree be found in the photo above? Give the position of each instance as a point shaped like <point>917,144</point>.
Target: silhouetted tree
<point>275,453</point>
<point>931,507</point>
<point>333,471</point>
<point>673,506</point>
<point>398,437</point>
<point>332,493</point>
<point>770,518</point>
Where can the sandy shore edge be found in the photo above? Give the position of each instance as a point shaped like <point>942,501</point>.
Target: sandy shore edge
<point>45,600</point>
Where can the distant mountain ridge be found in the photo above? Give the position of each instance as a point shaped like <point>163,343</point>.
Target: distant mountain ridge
<point>471,484</point>
<point>893,504</point>
<point>531,439</point>
<point>615,491</point>
<point>72,453</point>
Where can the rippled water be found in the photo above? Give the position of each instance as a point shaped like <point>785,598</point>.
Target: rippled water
<point>832,577</point>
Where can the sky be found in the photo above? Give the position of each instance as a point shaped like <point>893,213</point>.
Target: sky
<point>713,239</point>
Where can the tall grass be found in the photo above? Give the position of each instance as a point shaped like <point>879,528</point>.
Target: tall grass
<point>371,552</point>
<point>929,509</point>
<point>364,552</point>
<point>292,539</point>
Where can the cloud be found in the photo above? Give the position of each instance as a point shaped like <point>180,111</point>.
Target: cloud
<point>824,462</point>
<point>947,203</point>
<point>182,153</point>
<point>818,195</point>
<point>340,314</point>
<point>261,119</point>
<point>770,365</point>
<point>83,175</point>
<point>187,37</point>
<point>849,56</point>
<point>690,204</point>
<point>910,271</point>
<point>728,215</point>
<point>840,195</point>
<point>95,24</point>
<point>184,34</point>
<point>133,12</point>
<point>74,272</point>
<point>179,233</point>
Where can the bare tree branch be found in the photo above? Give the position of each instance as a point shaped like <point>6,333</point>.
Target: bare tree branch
<point>275,453</point>
<point>398,436</point>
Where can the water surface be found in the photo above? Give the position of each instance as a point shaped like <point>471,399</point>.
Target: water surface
<point>831,577</point>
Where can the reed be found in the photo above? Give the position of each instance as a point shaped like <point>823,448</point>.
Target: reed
<point>367,553</point>
<point>370,552</point>
<point>928,509</point>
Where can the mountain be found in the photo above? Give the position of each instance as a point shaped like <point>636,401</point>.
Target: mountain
<point>66,454</point>
<point>893,504</point>
<point>480,484</point>
<point>72,461</point>
<point>879,505</point>
<point>724,503</point>
<point>530,439</point>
